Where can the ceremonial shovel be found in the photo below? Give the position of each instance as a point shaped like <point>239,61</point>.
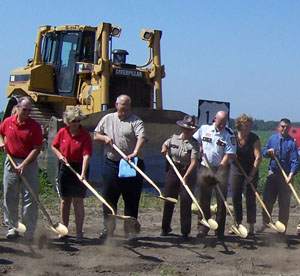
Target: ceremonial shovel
<point>238,229</point>
<point>20,228</point>
<point>278,226</point>
<point>58,228</point>
<point>212,224</point>
<point>144,175</point>
<point>89,186</point>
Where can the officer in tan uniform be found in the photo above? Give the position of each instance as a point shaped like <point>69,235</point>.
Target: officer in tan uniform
<point>184,151</point>
<point>218,143</point>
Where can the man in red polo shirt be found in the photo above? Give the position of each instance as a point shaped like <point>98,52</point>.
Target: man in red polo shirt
<point>21,137</point>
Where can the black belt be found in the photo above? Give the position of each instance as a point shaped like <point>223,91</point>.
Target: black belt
<point>214,168</point>
<point>116,162</point>
<point>19,157</point>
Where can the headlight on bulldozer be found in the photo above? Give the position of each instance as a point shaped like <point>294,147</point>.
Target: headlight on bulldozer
<point>146,35</point>
<point>19,78</point>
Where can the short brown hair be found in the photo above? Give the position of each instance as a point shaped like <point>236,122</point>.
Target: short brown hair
<point>243,119</point>
<point>285,120</point>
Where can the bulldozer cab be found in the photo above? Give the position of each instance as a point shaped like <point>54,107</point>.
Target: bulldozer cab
<point>62,50</point>
<point>76,65</point>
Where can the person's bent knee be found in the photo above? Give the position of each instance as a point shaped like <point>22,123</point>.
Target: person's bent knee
<point>66,200</point>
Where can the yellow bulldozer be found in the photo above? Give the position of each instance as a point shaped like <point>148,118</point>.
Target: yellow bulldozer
<point>76,65</point>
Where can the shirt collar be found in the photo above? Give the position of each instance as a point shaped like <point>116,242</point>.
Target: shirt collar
<point>129,114</point>
<point>80,131</point>
<point>15,120</point>
<point>181,138</point>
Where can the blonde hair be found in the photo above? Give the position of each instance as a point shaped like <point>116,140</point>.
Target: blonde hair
<point>243,119</point>
<point>14,110</point>
<point>72,113</point>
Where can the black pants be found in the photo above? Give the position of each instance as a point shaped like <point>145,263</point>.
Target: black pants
<point>113,186</point>
<point>276,186</point>
<point>173,188</point>
<point>237,187</point>
<point>205,191</point>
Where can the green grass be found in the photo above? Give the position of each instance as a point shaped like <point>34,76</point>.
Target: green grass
<point>48,194</point>
<point>263,169</point>
<point>46,190</point>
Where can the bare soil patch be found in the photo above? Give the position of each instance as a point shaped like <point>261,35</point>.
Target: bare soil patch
<point>150,254</point>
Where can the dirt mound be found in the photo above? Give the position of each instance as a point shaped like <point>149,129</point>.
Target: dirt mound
<point>150,254</point>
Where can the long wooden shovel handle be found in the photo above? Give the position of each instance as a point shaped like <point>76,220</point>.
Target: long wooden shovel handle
<point>225,202</point>
<point>254,190</point>
<point>137,169</point>
<point>294,192</point>
<point>184,184</point>
<point>25,182</point>
<point>89,186</point>
<point>286,179</point>
<point>218,189</point>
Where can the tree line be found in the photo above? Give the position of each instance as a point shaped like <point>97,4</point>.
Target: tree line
<point>264,125</point>
<point>257,125</point>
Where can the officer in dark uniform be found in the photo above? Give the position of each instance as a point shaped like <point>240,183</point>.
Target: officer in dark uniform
<point>184,151</point>
<point>217,144</point>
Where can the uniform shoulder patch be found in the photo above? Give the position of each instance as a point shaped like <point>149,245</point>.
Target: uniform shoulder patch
<point>174,135</point>
<point>233,140</point>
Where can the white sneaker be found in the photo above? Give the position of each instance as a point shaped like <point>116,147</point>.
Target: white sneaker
<point>12,234</point>
<point>298,229</point>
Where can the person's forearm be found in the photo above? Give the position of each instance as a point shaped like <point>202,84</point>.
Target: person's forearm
<point>258,158</point>
<point>2,143</point>
<point>32,155</point>
<point>255,167</point>
<point>100,137</point>
<point>139,143</point>
<point>225,160</point>
<point>192,167</point>
<point>57,152</point>
<point>164,149</point>
<point>85,164</point>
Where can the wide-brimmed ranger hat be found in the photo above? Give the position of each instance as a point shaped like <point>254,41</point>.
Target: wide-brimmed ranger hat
<point>187,122</point>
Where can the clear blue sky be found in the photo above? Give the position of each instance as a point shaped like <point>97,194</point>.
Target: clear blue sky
<point>243,52</point>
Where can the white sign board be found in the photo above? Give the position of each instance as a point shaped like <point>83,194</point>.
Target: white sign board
<point>208,109</point>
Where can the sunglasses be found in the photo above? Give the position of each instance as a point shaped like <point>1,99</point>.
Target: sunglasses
<point>26,109</point>
<point>76,121</point>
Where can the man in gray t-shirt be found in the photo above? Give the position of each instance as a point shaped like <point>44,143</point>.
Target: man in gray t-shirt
<point>127,132</point>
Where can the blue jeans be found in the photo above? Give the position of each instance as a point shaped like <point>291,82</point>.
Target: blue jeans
<point>113,186</point>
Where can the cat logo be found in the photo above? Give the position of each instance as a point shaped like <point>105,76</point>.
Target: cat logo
<point>132,73</point>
